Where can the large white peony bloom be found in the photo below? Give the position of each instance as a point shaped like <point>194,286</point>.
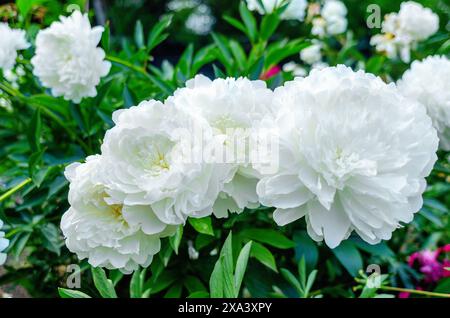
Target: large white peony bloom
<point>428,82</point>
<point>353,156</point>
<point>154,158</point>
<point>416,21</point>
<point>3,245</point>
<point>67,58</point>
<point>294,11</point>
<point>232,107</point>
<point>99,227</point>
<point>11,40</point>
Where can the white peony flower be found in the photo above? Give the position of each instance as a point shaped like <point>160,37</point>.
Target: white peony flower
<point>67,58</point>
<point>232,107</point>
<point>153,158</point>
<point>294,11</point>
<point>11,40</point>
<point>99,227</point>
<point>417,22</point>
<point>3,245</point>
<point>311,54</point>
<point>401,31</point>
<point>353,156</point>
<point>428,82</point>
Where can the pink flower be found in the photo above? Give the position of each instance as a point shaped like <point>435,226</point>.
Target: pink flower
<point>274,70</point>
<point>429,265</point>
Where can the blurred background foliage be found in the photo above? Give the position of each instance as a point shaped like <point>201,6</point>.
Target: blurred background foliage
<point>154,51</point>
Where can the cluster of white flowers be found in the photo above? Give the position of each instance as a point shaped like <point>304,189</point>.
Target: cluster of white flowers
<point>352,155</point>
<point>3,245</point>
<point>67,58</point>
<point>295,9</point>
<point>11,40</point>
<point>428,82</point>
<point>332,19</point>
<point>403,30</point>
<point>201,20</point>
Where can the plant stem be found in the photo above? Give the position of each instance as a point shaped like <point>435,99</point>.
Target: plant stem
<point>118,60</point>
<point>414,291</point>
<point>15,189</point>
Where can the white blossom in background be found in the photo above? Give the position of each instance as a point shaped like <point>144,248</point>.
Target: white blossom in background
<point>332,19</point>
<point>312,54</point>
<point>67,58</point>
<point>354,154</point>
<point>147,161</point>
<point>200,21</point>
<point>11,41</point>
<point>428,82</point>
<point>295,69</point>
<point>402,31</point>
<point>3,245</point>
<point>231,107</point>
<point>99,227</point>
<point>294,11</point>
<point>180,5</point>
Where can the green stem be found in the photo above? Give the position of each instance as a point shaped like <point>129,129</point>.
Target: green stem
<point>136,68</point>
<point>11,191</point>
<point>414,291</point>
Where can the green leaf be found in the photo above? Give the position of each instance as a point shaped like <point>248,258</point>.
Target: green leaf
<point>175,239</point>
<point>25,6</point>
<point>292,280</point>
<point>256,69</point>
<point>156,35</point>
<point>234,22</point>
<point>309,283</point>
<point>69,293</point>
<point>202,225</point>
<point>349,257</point>
<point>241,266</point>
<point>375,63</point>
<point>216,280</point>
<point>35,131</point>
<point>269,24</point>
<point>239,54</point>
<point>224,52</point>
<point>226,258</point>
<point>305,247</point>
<point>174,291</point>
<point>380,249</point>
<point>128,97</point>
<point>104,286</point>
<point>271,237</point>
<point>135,285</point>
<point>249,21</point>
<point>52,238</point>
<point>185,62</point>
<point>264,255</point>
<point>139,34</point>
<point>200,294</point>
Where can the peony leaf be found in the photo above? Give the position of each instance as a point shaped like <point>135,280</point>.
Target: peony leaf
<point>349,256</point>
<point>202,225</point>
<point>263,255</point>
<point>69,293</point>
<point>268,236</point>
<point>241,266</point>
<point>104,286</point>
